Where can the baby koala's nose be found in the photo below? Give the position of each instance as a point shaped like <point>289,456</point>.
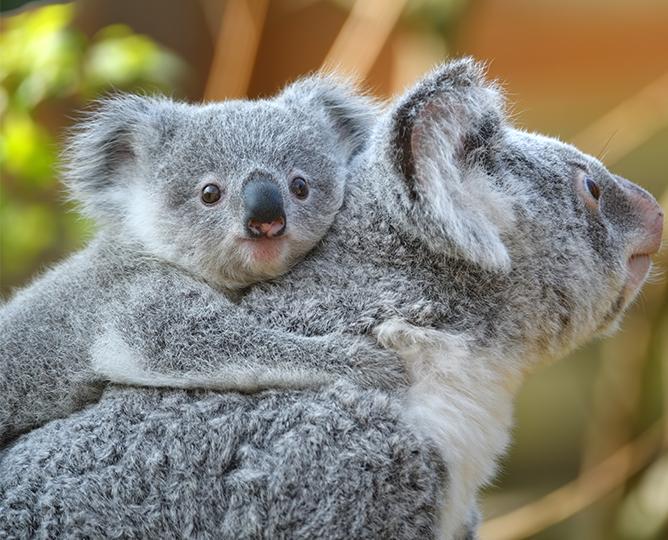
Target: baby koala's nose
<point>270,230</point>
<point>265,214</point>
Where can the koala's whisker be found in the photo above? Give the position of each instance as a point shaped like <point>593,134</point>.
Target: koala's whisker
<point>657,274</point>
<point>662,246</point>
<point>641,301</point>
<point>604,151</point>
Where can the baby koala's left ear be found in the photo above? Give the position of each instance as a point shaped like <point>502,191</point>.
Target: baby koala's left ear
<point>338,103</point>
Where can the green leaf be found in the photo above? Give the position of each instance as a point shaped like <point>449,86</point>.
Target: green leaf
<point>27,150</point>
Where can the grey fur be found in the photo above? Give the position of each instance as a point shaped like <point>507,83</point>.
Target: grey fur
<point>456,228</point>
<point>277,464</point>
<point>137,166</point>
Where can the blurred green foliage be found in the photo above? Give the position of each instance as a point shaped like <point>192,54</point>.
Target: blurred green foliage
<point>48,65</point>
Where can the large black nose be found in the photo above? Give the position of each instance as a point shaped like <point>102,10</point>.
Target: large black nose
<point>265,214</point>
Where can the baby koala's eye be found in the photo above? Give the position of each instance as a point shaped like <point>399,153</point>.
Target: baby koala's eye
<point>299,187</point>
<point>211,194</point>
<point>592,187</point>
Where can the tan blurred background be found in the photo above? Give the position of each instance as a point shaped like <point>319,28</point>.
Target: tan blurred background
<point>590,458</point>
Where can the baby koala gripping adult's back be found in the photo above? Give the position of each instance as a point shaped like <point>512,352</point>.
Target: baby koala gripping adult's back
<point>234,192</point>
<point>476,251</point>
<point>192,202</point>
<point>473,249</point>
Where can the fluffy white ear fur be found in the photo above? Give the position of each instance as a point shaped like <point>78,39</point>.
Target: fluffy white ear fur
<point>439,133</point>
<point>472,213</point>
<point>104,149</point>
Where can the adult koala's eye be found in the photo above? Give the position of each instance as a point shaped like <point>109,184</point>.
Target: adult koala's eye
<point>299,187</point>
<point>211,194</point>
<point>588,190</point>
<point>592,187</point>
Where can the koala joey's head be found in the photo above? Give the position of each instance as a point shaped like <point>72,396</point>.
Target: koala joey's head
<point>234,192</point>
<point>559,244</point>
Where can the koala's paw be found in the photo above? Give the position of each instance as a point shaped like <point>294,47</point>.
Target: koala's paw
<point>414,343</point>
<point>374,366</point>
<point>403,337</point>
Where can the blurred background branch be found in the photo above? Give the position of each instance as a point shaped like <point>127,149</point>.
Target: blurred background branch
<point>630,124</point>
<point>362,37</point>
<point>235,49</point>
<point>575,496</point>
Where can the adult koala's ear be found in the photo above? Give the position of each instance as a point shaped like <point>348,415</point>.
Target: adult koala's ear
<point>440,134</point>
<point>337,103</point>
<point>110,148</point>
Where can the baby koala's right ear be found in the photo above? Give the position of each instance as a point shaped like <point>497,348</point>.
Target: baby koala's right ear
<point>106,148</point>
<point>338,103</point>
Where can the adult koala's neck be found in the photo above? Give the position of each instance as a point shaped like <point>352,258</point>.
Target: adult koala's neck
<point>434,292</point>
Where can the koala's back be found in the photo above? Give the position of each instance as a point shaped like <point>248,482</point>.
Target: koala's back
<point>351,281</point>
<point>335,463</point>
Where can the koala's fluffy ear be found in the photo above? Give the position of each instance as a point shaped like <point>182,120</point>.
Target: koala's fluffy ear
<point>337,103</point>
<point>105,149</point>
<point>439,135</point>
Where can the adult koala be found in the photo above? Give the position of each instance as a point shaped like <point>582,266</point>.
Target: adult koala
<point>472,249</point>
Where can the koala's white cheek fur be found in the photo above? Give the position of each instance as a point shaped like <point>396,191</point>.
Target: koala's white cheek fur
<point>223,261</point>
<point>142,220</point>
<point>460,402</point>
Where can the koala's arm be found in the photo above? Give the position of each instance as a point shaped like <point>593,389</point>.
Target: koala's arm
<point>44,335</point>
<point>177,333</point>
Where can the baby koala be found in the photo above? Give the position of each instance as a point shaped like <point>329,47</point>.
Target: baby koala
<point>233,192</point>
<point>193,202</point>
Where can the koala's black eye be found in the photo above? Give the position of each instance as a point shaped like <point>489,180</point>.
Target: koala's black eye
<point>299,187</point>
<point>210,194</point>
<point>592,187</point>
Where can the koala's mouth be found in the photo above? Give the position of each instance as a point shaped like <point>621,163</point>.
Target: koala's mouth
<point>637,269</point>
<point>264,249</point>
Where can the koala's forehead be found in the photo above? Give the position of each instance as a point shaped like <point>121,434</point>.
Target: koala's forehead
<point>237,133</point>
<point>547,164</point>
<point>539,152</point>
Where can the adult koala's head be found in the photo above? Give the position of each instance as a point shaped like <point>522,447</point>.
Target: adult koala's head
<point>557,245</point>
<point>236,191</point>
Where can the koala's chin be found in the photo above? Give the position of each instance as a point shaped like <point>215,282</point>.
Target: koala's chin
<point>247,261</point>
<point>637,269</point>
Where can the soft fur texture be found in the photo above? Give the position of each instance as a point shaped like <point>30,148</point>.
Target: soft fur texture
<point>137,165</point>
<point>277,464</point>
<point>463,244</point>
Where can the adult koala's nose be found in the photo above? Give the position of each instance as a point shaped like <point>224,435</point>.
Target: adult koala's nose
<point>650,214</point>
<point>265,214</point>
